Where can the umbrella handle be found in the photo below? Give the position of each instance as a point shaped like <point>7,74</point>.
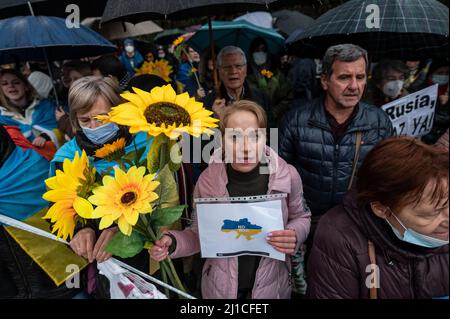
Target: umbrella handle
<point>30,7</point>
<point>213,57</point>
<point>51,76</point>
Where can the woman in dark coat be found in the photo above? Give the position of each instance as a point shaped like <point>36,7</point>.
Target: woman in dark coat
<point>389,238</point>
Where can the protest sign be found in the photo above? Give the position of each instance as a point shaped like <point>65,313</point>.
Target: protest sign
<point>234,229</point>
<point>413,115</point>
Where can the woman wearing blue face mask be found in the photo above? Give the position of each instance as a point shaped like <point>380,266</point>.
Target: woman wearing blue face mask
<point>89,97</point>
<point>389,237</point>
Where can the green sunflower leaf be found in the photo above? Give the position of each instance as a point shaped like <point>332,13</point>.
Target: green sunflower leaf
<point>126,246</point>
<point>168,190</point>
<point>175,148</point>
<point>167,216</point>
<point>153,155</point>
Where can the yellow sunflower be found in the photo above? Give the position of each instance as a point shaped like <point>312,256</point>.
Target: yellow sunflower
<point>178,41</point>
<point>68,189</point>
<point>123,197</point>
<point>266,73</point>
<point>159,68</point>
<point>111,151</point>
<point>162,111</point>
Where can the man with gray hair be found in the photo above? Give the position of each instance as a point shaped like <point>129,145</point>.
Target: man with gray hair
<point>232,67</point>
<point>326,139</point>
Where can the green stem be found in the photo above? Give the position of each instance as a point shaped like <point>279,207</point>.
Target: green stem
<point>175,280</point>
<point>162,162</point>
<point>162,152</point>
<point>136,160</point>
<point>168,265</point>
<point>164,278</point>
<point>172,275</point>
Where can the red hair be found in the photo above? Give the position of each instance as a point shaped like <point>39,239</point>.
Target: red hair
<point>397,171</point>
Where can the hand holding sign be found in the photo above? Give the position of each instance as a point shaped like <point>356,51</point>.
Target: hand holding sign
<point>284,241</point>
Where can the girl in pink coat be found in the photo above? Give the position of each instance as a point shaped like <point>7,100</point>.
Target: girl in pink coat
<point>243,174</point>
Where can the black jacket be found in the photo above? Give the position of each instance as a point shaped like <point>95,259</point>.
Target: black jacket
<point>22,278</point>
<point>325,165</point>
<point>251,94</point>
<point>339,259</point>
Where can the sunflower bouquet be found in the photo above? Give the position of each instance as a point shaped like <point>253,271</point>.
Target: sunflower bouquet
<point>139,193</point>
<point>160,68</point>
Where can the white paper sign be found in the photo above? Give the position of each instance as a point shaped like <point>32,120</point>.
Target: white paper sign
<point>234,229</point>
<point>413,115</point>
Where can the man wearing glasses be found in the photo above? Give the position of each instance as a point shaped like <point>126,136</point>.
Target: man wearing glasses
<point>232,67</point>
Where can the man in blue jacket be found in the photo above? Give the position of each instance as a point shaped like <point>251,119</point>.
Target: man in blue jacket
<point>320,137</point>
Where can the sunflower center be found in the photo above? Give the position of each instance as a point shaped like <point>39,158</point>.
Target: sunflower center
<point>128,198</point>
<point>167,113</point>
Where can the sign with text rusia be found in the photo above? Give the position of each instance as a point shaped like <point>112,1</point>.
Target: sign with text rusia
<point>239,228</point>
<point>413,115</point>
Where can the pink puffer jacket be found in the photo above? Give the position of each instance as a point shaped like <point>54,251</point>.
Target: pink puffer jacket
<point>220,275</point>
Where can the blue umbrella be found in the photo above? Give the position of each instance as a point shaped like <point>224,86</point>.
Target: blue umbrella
<point>41,38</point>
<point>238,33</point>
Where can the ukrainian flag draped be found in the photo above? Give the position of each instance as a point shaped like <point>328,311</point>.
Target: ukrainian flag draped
<point>21,187</point>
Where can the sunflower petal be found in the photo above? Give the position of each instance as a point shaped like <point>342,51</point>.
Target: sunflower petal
<point>124,227</point>
<point>83,207</point>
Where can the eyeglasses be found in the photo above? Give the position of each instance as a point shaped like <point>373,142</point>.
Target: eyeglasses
<point>229,68</point>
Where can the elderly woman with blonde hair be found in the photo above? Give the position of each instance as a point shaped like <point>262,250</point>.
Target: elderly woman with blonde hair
<point>90,97</point>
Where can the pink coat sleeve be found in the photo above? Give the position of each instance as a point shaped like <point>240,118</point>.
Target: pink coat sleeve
<point>299,215</point>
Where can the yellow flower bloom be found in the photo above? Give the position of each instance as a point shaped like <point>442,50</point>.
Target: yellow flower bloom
<point>178,41</point>
<point>266,73</point>
<point>68,189</point>
<point>162,111</point>
<point>159,68</point>
<point>123,197</point>
<point>111,150</point>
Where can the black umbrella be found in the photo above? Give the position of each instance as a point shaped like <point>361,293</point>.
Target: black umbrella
<point>288,21</point>
<point>57,8</point>
<point>139,10</point>
<point>405,29</point>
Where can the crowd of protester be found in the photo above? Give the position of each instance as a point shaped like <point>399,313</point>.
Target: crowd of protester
<point>356,193</point>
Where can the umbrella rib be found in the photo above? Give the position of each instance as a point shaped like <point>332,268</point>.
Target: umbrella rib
<point>359,18</point>
<point>426,16</point>
<point>403,16</point>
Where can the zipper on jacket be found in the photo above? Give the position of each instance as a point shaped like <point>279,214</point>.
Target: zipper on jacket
<point>335,169</point>
<point>19,265</point>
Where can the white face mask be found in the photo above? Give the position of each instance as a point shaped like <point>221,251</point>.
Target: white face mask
<point>129,48</point>
<point>393,88</point>
<point>260,58</point>
<point>439,79</point>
